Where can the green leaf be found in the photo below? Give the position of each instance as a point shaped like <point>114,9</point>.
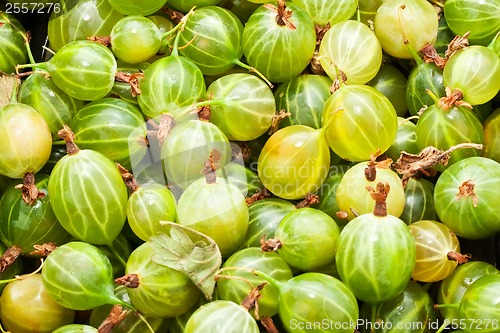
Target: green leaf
<point>189,251</point>
<point>7,84</point>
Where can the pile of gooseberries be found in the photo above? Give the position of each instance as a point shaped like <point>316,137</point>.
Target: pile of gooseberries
<point>199,166</point>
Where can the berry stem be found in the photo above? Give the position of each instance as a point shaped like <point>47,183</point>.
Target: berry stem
<point>433,96</point>
<point>172,31</point>
<point>26,37</point>
<point>443,327</point>
<point>414,54</point>
<point>447,306</point>
<point>38,66</point>
<point>28,48</point>
<point>279,285</point>
<point>182,24</point>
<point>253,69</point>
<point>210,102</point>
<point>15,91</point>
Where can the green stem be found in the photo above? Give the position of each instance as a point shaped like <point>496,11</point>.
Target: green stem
<point>414,54</point>
<point>143,319</point>
<point>373,308</point>
<point>408,120</point>
<point>39,65</point>
<point>328,123</point>
<point>15,90</point>
<point>253,69</point>
<point>8,280</point>
<point>115,300</point>
<point>358,14</point>
<point>164,41</point>
<point>25,37</point>
<point>59,143</point>
<point>171,31</point>
<point>28,50</point>
<point>270,279</point>
<point>182,24</point>
<point>115,253</point>
<point>447,306</point>
<point>433,96</point>
<point>24,276</point>
<point>210,102</point>
<point>443,327</point>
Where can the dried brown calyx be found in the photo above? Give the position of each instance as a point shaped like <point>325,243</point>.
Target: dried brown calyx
<point>341,214</point>
<point>269,325</point>
<point>339,81</point>
<point>320,32</point>
<point>128,178</point>
<point>211,164</point>
<point>457,43</point>
<point>129,281</point>
<point>167,122</point>
<point>432,56</point>
<point>43,250</point>
<point>270,245</point>
<point>452,99</point>
<point>241,150</point>
<point>260,195</point>
<point>275,123</point>
<point>379,194</point>
<point>204,113</point>
<point>69,137</point>
<point>466,190</point>
<point>143,141</point>
<point>458,257</point>
<point>377,161</point>
<point>309,200</point>
<point>132,79</point>
<point>283,15</point>
<point>30,192</point>
<point>251,301</point>
<point>174,15</point>
<point>9,257</point>
<point>116,315</point>
<point>315,64</point>
<point>103,40</point>
<point>411,165</point>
